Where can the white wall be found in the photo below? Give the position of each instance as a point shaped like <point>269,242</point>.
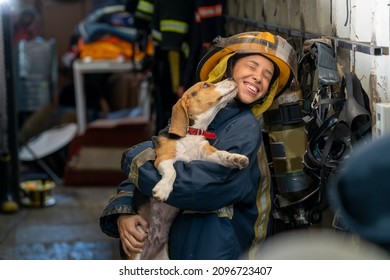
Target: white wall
<point>370,23</point>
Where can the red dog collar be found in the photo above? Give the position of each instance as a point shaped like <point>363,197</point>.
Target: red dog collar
<point>196,131</point>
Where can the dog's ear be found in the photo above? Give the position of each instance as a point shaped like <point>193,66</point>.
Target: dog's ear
<point>179,118</point>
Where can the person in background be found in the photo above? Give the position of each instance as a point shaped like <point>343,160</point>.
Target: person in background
<point>225,213</point>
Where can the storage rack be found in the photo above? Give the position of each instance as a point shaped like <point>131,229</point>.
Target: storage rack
<point>362,47</point>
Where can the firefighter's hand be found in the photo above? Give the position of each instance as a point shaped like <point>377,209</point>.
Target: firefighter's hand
<point>133,230</point>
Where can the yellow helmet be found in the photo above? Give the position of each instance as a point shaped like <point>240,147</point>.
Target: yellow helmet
<point>213,65</point>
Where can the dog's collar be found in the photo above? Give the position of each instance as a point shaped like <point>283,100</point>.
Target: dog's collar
<point>205,133</point>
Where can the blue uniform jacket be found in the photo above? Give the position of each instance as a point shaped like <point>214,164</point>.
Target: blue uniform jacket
<point>225,211</point>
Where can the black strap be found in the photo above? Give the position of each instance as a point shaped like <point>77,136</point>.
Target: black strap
<point>289,113</point>
<point>333,141</point>
<point>356,110</point>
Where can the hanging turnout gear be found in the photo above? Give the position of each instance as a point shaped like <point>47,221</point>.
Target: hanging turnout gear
<point>320,80</point>
<point>336,137</point>
<point>331,117</point>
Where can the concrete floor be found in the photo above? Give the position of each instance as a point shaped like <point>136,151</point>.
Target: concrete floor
<point>67,230</point>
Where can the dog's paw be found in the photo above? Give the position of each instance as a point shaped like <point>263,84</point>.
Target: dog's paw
<point>161,192</point>
<point>240,161</point>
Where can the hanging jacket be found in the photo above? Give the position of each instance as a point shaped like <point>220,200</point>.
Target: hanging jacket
<point>143,13</point>
<point>225,211</point>
<point>208,24</point>
<point>171,22</point>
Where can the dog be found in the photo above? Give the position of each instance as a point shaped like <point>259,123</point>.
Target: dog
<point>185,141</point>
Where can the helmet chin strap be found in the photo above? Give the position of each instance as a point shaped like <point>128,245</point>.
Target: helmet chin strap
<point>219,70</point>
<point>259,108</point>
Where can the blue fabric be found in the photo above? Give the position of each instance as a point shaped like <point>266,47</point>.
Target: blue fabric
<point>206,192</point>
<point>93,31</point>
<point>361,192</point>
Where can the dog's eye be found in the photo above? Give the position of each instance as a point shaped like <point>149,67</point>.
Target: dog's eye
<point>206,85</point>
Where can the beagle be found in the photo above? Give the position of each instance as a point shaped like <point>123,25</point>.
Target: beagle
<point>185,141</point>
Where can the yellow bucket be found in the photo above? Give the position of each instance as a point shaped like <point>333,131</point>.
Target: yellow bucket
<point>37,193</point>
